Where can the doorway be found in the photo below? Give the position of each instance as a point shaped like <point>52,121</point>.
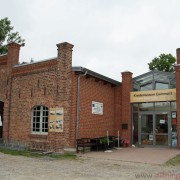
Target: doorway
<point>1,119</point>
<point>154,129</point>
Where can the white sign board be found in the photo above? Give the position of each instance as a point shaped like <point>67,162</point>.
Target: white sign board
<point>151,137</point>
<point>162,121</point>
<point>97,108</point>
<point>173,114</point>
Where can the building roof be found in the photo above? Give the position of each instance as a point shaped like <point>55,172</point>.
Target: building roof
<point>78,70</point>
<point>35,62</point>
<point>154,72</point>
<point>82,70</point>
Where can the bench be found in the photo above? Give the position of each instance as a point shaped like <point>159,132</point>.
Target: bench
<point>85,142</point>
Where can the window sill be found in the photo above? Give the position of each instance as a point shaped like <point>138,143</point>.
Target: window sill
<point>38,136</point>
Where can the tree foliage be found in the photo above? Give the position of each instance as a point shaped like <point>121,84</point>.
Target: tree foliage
<point>165,62</point>
<point>6,35</point>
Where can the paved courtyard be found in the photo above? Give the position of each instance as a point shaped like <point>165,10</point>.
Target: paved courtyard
<point>144,155</point>
<point>93,165</point>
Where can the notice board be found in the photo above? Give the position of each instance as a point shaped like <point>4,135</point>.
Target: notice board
<point>56,119</point>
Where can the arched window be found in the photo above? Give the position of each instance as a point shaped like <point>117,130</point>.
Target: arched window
<point>39,120</point>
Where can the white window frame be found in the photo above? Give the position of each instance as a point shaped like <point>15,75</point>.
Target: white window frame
<point>41,120</point>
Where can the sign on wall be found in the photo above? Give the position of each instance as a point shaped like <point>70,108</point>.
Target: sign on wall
<point>97,108</point>
<point>173,115</point>
<point>153,96</point>
<point>56,119</point>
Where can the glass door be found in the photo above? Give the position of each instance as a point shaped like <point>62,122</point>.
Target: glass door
<point>154,128</point>
<point>161,129</point>
<point>174,129</point>
<point>146,129</point>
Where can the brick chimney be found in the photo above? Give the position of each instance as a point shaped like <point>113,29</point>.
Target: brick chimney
<point>13,54</point>
<point>65,53</point>
<point>64,66</point>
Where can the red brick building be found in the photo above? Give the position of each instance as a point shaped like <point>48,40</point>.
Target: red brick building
<point>52,103</point>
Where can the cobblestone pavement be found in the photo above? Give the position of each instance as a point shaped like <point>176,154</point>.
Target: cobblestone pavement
<point>23,168</point>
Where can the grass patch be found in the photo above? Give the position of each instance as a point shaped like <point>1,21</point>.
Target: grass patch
<point>37,154</point>
<point>175,161</point>
<point>63,156</point>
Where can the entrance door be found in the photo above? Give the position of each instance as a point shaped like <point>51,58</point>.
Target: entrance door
<point>161,129</point>
<point>146,129</point>
<point>154,129</point>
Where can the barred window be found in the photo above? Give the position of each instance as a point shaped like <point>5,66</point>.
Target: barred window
<point>39,120</point>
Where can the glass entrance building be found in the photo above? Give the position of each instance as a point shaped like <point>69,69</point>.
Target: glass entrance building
<point>153,103</point>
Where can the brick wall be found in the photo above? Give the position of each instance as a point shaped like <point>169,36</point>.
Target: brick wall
<point>118,110</point>
<point>177,73</point>
<point>73,111</point>
<point>3,78</point>
<point>45,83</point>
<point>52,84</point>
<point>91,125</point>
<point>126,107</point>
<point>28,90</point>
<point>3,92</point>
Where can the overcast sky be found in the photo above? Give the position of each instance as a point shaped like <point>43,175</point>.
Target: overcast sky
<point>109,36</point>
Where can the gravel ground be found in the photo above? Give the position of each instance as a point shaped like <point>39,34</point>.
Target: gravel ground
<point>23,168</point>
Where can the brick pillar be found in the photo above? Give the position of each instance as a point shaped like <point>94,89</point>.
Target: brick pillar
<point>178,55</point>
<point>13,54</point>
<point>126,106</point>
<point>12,59</point>
<point>64,84</point>
<point>177,73</point>
<point>64,70</point>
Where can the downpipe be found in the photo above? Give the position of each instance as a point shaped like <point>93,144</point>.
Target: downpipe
<point>77,104</point>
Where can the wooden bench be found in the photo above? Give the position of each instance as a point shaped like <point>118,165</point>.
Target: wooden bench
<point>85,142</point>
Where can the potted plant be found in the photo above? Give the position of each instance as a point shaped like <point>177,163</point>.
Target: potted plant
<point>125,142</point>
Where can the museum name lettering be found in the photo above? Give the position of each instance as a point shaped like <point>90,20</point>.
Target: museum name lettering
<point>154,94</point>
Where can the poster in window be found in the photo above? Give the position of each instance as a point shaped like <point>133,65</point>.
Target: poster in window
<point>151,137</point>
<point>56,120</point>
<point>162,121</point>
<point>173,115</point>
<point>97,108</point>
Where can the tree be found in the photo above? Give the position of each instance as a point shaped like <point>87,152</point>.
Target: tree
<point>6,35</point>
<point>165,62</point>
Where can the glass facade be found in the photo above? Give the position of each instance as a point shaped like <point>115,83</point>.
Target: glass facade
<point>154,123</point>
<point>160,85</point>
<point>154,80</point>
<point>146,106</point>
<point>145,87</point>
<point>162,106</point>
